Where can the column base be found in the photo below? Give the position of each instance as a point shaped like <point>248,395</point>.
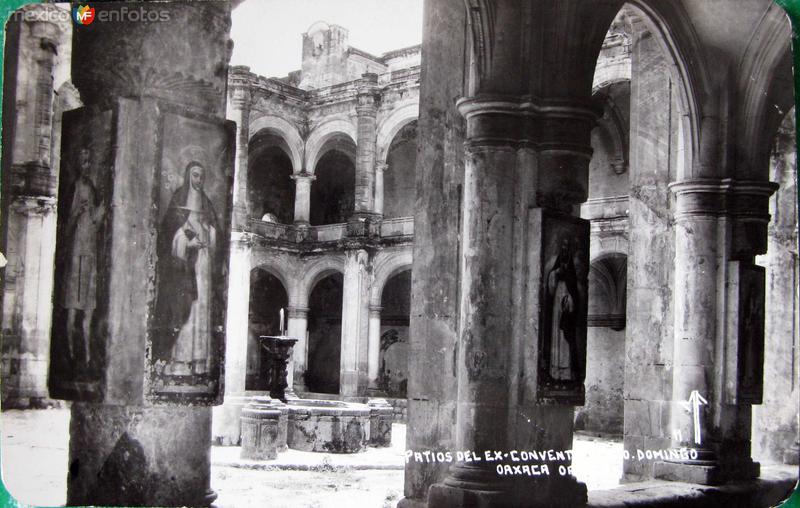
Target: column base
<point>470,486</point>
<point>478,487</point>
<point>706,474</point>
<point>226,426</point>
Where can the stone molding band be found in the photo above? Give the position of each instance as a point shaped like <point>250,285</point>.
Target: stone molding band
<point>544,125</point>
<point>742,199</point>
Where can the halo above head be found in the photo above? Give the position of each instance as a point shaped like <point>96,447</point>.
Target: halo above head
<point>194,153</point>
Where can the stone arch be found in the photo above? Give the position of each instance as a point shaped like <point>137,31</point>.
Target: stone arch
<point>278,272</point>
<point>284,130</point>
<point>313,273</point>
<point>386,266</point>
<point>321,134</point>
<point>766,91</point>
<point>671,25</point>
<point>388,128</point>
<point>609,271</point>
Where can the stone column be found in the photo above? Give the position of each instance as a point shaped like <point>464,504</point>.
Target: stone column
<point>528,148</point>
<point>302,198</point>
<point>367,110</point>
<point>355,317</point>
<point>226,429</point>
<point>696,263</point>
<point>226,425</point>
<point>718,226</point>
<point>239,103</point>
<point>433,327</point>
<point>32,227</point>
<point>297,328</point>
<point>28,214</point>
<point>140,431</point>
<point>380,168</point>
<point>374,345</point>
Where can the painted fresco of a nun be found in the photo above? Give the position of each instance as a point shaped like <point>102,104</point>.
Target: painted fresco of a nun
<point>188,245</point>
<point>563,313</point>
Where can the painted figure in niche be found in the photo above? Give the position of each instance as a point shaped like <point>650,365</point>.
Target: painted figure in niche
<point>187,251</point>
<point>753,325</point>
<point>86,213</point>
<point>563,307</point>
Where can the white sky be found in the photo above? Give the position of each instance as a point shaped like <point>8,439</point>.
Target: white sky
<point>267,34</point>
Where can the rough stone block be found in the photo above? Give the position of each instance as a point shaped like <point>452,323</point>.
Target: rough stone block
<point>381,416</point>
<point>260,434</point>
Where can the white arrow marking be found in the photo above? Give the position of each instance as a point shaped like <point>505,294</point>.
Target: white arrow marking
<point>693,406</point>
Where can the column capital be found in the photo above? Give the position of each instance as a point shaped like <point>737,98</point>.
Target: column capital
<point>699,197</point>
<point>543,124</point>
<point>746,202</point>
<point>293,312</point>
<point>240,98</point>
<point>241,239</point>
<point>381,167</point>
<point>375,310</point>
<point>367,94</point>
<point>303,177</point>
<point>33,205</point>
<point>711,196</point>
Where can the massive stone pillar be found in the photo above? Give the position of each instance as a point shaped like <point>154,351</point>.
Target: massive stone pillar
<point>144,221</point>
<point>374,345</point>
<point>655,157</point>
<point>297,328</point>
<point>520,361</point>
<point>435,276</point>
<point>775,429</point>
<point>34,37</point>
<point>719,328</point>
<point>355,316</point>
<point>367,110</point>
<point>302,197</point>
<point>226,428</point>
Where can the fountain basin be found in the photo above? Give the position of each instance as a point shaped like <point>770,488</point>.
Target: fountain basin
<point>329,426</point>
<point>261,432</point>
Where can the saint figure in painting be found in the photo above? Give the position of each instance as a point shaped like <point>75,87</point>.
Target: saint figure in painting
<point>80,276</point>
<point>187,251</point>
<point>563,306</point>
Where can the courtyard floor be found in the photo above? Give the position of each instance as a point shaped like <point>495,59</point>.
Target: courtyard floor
<point>35,448</point>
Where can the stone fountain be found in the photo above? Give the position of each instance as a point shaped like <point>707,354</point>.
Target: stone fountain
<point>272,423</point>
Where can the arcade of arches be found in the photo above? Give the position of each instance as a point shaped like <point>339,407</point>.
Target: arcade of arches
<point>514,241</point>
